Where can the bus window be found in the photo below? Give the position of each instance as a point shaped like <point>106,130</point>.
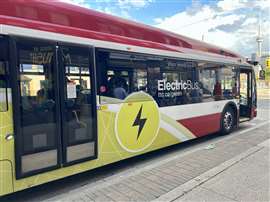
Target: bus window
<point>167,96</point>
<point>218,82</point>
<point>228,78</point>
<point>177,84</point>
<point>208,80</point>
<point>169,82</point>
<point>140,80</point>
<point>118,83</point>
<point>120,74</point>
<point>3,88</point>
<point>154,76</point>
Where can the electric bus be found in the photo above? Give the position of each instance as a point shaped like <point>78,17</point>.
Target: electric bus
<point>80,89</point>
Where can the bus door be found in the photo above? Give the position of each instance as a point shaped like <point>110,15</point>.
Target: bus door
<point>78,103</point>
<point>6,130</point>
<point>248,97</point>
<point>54,106</point>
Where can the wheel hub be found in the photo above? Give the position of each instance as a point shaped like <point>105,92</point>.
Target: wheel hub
<point>228,121</point>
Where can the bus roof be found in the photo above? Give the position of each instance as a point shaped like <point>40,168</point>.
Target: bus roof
<point>60,17</point>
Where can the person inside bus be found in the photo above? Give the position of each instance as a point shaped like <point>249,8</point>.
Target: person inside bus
<point>119,90</point>
<point>234,89</point>
<point>217,91</point>
<point>183,98</point>
<point>44,99</point>
<point>118,85</point>
<point>41,97</point>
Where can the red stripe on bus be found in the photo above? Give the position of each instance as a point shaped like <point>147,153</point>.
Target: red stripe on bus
<point>60,29</point>
<point>202,125</point>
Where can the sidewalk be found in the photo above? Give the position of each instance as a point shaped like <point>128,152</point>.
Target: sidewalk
<point>246,179</point>
<point>263,93</point>
<point>235,168</point>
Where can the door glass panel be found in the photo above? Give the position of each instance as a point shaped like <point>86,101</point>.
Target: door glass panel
<point>244,89</point>
<point>78,113</point>
<point>3,88</point>
<point>4,74</point>
<point>37,106</point>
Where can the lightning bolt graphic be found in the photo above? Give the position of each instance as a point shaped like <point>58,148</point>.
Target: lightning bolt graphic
<point>139,122</point>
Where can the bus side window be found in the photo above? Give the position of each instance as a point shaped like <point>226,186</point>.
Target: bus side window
<point>120,74</point>
<point>178,84</point>
<point>3,87</point>
<point>219,82</point>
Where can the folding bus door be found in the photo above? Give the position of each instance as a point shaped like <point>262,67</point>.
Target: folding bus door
<point>248,97</point>
<point>54,104</point>
<point>35,103</point>
<point>78,103</point>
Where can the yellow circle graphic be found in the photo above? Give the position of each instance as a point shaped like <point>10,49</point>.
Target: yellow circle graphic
<point>137,122</point>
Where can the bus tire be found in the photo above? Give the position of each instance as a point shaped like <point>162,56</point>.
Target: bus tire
<point>228,121</point>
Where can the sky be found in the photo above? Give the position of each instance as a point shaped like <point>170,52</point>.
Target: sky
<point>231,24</point>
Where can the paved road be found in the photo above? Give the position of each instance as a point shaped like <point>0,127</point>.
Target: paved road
<point>101,184</point>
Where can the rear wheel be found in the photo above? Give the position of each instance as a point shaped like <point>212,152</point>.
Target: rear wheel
<point>227,121</point>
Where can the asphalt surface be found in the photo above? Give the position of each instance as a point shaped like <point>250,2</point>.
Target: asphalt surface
<point>105,174</point>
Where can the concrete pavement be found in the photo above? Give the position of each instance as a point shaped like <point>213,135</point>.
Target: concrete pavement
<point>243,178</point>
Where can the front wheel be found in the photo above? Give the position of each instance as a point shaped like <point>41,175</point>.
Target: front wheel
<point>227,121</point>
